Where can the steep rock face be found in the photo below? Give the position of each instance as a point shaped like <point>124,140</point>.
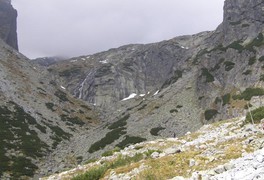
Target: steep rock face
<point>106,78</point>
<point>8,23</point>
<point>243,20</point>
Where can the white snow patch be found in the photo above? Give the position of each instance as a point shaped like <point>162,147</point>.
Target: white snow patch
<point>184,47</point>
<point>156,93</point>
<point>104,61</point>
<point>62,87</point>
<point>73,60</point>
<point>83,59</point>
<point>148,92</point>
<point>130,97</point>
<point>142,95</point>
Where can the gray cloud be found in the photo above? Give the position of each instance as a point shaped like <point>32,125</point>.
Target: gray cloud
<point>82,27</point>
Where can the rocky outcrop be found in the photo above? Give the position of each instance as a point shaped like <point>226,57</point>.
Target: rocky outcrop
<point>8,23</point>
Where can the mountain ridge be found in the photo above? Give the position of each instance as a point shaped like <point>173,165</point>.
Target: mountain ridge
<point>77,109</point>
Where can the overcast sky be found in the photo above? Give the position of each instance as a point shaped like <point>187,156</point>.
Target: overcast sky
<point>81,27</point>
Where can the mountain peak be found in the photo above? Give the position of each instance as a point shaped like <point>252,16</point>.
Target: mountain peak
<point>8,23</point>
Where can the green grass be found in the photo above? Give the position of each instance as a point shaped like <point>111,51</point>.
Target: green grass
<point>155,131</point>
<point>257,115</point>
<point>208,76</point>
<point>210,113</point>
<point>98,172</point>
<point>249,93</point>
<point>111,152</point>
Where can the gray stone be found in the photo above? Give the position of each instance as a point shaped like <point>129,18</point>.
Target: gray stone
<point>229,166</point>
<point>219,169</point>
<point>172,150</point>
<point>192,162</point>
<point>154,155</point>
<point>260,158</point>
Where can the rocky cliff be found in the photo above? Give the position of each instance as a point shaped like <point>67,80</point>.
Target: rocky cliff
<point>8,23</point>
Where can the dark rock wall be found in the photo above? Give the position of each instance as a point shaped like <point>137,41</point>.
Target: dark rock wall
<point>8,23</point>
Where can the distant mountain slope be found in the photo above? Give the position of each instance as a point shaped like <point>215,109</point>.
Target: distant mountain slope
<point>36,115</point>
<point>47,61</point>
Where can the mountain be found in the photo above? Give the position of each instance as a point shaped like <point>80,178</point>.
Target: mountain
<point>47,61</point>
<point>8,25</point>
<point>166,89</point>
<point>72,111</point>
<point>36,115</point>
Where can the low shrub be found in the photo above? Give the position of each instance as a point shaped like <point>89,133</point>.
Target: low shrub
<point>257,115</point>
<point>261,59</point>
<point>261,77</point>
<point>249,93</point>
<point>173,111</point>
<point>252,61</point>
<point>229,65</point>
<point>226,99</point>
<point>120,123</point>
<point>155,131</point>
<point>210,113</point>
<point>109,138</point>
<point>130,140</point>
<point>208,76</point>
<point>247,72</point>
